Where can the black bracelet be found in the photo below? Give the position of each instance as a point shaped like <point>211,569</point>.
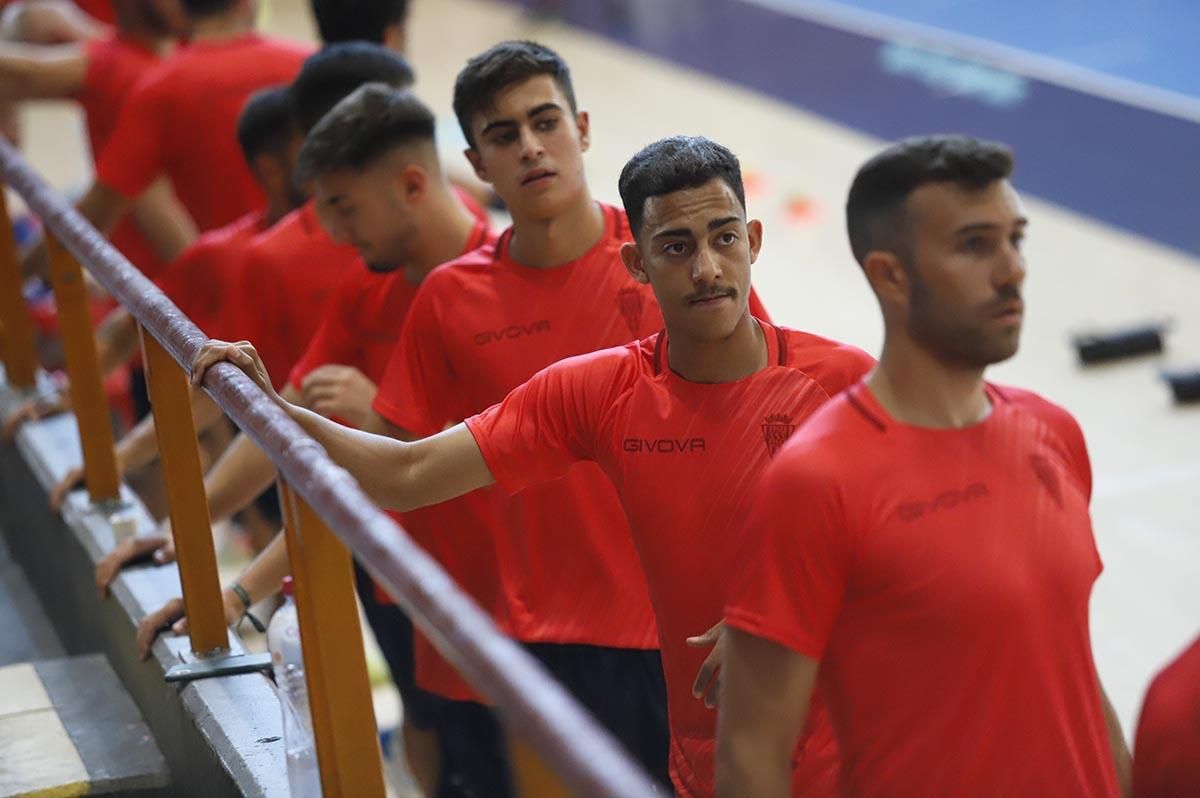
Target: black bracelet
<point>241,593</point>
<point>244,597</point>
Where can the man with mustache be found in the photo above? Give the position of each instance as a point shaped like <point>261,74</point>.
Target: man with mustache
<point>920,552</point>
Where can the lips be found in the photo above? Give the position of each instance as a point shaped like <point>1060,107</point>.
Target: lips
<point>710,299</point>
<point>1011,310</point>
<point>535,175</point>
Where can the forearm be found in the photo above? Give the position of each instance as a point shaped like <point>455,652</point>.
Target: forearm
<point>242,473</point>
<point>103,207</point>
<point>747,769</point>
<point>162,220</point>
<point>1120,749</point>
<point>139,447</point>
<point>262,577</point>
<point>116,340</point>
<point>379,464</point>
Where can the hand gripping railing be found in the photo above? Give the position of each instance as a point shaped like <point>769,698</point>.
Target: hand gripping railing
<point>317,492</point>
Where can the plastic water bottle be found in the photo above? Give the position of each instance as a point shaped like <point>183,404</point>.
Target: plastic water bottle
<point>287,662</point>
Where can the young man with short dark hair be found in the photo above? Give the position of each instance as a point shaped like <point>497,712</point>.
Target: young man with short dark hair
<point>100,73</point>
<point>920,551</point>
<point>180,119</point>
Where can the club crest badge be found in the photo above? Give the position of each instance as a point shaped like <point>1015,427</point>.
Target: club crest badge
<point>777,428</point>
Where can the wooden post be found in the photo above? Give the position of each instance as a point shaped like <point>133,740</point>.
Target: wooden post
<point>170,396</point>
<point>83,367</point>
<point>335,664</point>
<point>16,330</point>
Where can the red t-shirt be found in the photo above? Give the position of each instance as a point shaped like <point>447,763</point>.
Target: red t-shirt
<point>205,275</point>
<point>287,276</point>
<point>942,578</point>
<point>99,9</point>
<point>181,120</point>
<point>683,457</point>
<point>114,66</point>
<point>1166,762</point>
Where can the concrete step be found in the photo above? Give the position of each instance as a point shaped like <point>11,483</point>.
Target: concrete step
<point>68,728</point>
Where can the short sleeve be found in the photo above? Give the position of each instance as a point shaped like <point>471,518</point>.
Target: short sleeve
<point>1066,431</point>
<point>547,424</point>
<point>135,154</point>
<point>419,390</point>
<point>335,340</point>
<point>794,558</point>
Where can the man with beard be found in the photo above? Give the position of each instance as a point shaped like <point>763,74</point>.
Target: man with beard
<point>921,550</point>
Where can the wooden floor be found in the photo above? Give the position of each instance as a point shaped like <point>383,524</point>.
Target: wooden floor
<point>1146,453</point>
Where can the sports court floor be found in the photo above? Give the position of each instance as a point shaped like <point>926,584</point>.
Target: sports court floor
<point>1145,451</point>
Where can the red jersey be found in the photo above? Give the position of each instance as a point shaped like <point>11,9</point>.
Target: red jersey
<point>481,326</point>
<point>181,120</point>
<point>206,274</point>
<point>285,280</point>
<point>1166,761</point>
<point>99,9</point>
<point>114,66</point>
<point>682,456</point>
<point>942,579</point>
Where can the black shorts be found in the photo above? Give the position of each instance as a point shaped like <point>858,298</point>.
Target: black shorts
<point>623,688</point>
<point>267,503</point>
<point>139,394</point>
<point>475,757</point>
<point>394,633</point>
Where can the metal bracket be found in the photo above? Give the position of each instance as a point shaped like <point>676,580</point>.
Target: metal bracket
<point>219,665</point>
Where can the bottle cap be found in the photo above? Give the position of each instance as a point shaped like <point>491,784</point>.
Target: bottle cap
<point>286,587</point>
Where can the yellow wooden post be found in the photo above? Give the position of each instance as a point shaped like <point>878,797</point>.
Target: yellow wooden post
<point>335,664</point>
<point>170,396</point>
<point>16,330</point>
<point>87,384</point>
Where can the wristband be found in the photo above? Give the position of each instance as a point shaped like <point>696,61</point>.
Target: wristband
<point>244,597</point>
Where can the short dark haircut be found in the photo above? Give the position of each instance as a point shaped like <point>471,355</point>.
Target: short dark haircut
<point>357,20</point>
<point>673,164</point>
<point>363,127</point>
<point>875,206</point>
<point>206,8</point>
<point>499,67</point>
<point>333,73</point>
<point>266,122</point>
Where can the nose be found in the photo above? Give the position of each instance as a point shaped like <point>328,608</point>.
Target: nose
<point>531,145</point>
<point>1011,268</point>
<point>706,267</point>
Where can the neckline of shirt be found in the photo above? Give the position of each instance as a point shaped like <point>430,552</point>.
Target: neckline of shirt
<point>864,401</point>
<point>776,356</point>
<point>611,225</point>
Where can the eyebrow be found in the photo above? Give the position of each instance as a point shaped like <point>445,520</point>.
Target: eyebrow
<point>683,232</point>
<point>501,123</point>
<point>979,227</point>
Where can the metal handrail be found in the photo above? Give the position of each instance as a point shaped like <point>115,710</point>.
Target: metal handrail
<point>531,702</point>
